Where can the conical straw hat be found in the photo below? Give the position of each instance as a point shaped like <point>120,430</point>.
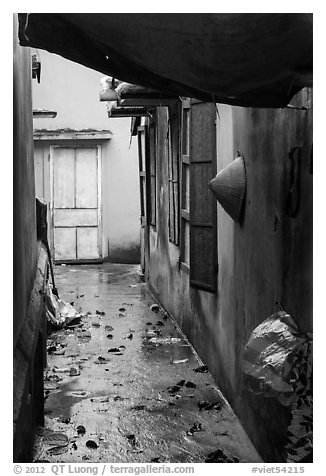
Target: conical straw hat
<point>229,187</point>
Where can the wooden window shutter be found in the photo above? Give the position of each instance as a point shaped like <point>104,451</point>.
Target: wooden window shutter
<point>144,179</point>
<point>203,210</point>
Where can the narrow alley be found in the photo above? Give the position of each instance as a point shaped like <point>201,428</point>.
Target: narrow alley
<point>124,385</point>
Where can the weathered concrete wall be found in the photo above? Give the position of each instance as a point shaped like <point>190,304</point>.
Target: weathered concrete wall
<point>265,259</point>
<point>73,92</point>
<point>29,270</point>
<point>24,218</point>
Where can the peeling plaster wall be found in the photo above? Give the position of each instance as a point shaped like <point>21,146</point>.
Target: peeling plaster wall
<point>72,91</point>
<point>265,259</point>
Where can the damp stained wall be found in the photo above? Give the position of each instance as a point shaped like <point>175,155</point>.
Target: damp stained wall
<point>264,260</point>
<point>24,217</point>
<point>72,91</point>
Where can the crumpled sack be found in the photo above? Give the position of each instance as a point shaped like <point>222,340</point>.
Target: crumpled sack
<point>58,312</point>
<point>279,359</point>
<point>269,353</point>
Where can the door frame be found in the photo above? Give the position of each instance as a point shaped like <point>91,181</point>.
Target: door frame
<point>78,145</point>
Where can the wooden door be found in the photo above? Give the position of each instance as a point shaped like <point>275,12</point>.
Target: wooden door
<point>76,203</point>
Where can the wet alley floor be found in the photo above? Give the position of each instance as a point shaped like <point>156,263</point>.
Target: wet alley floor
<point>124,385</point>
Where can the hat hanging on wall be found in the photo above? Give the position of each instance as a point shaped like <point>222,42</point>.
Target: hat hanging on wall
<point>229,187</point>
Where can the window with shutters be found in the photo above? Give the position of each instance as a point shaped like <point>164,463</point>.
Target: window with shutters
<point>173,172</point>
<point>185,188</point>
<point>142,157</point>
<point>203,209</point>
<point>152,171</point>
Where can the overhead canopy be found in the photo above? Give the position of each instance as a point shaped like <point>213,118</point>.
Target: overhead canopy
<point>258,60</point>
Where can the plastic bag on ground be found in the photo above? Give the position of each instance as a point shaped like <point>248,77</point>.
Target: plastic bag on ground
<point>58,312</point>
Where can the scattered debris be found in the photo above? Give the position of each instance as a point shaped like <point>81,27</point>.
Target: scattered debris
<point>74,446</point>
<point>101,360</point>
<point>196,427</point>
<point>122,309</point>
<point>148,323</point>
<point>122,314</point>
<point>64,419</point>
<point>219,456</point>
<point>202,369</point>
<point>155,460</point>
<point>191,385</point>
<point>79,393</point>
<point>55,443</point>
<point>130,336</point>
<point>178,361</point>
<point>165,316</point>
<point>84,335</point>
<point>91,444</point>
<point>203,405</point>
<point>174,389</point>
<point>74,371</point>
<point>133,285</point>
<point>164,340</point>
<point>114,349</point>
<point>49,386</point>
<point>109,336</point>
<point>61,370</point>
<point>154,308</point>
<point>108,328</point>
<point>81,430</point>
<point>100,313</point>
<point>96,324</point>
<point>117,398</point>
<point>138,407</point>
<point>59,352</point>
<point>58,312</point>
<point>160,323</point>
<point>181,383</point>
<point>131,439</point>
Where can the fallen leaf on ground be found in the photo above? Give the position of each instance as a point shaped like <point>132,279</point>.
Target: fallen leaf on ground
<point>91,444</point>
<point>201,369</point>
<point>109,336</point>
<point>203,405</point>
<point>101,360</point>
<point>219,456</point>
<point>138,407</point>
<point>81,430</point>
<point>131,439</point>
<point>173,389</point>
<point>65,420</point>
<point>74,371</point>
<point>179,361</point>
<point>194,429</point>
<point>108,328</point>
<point>100,313</point>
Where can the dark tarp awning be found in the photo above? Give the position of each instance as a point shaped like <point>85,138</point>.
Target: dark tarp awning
<point>244,59</point>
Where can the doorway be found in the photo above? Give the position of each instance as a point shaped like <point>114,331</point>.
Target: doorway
<point>75,203</point>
